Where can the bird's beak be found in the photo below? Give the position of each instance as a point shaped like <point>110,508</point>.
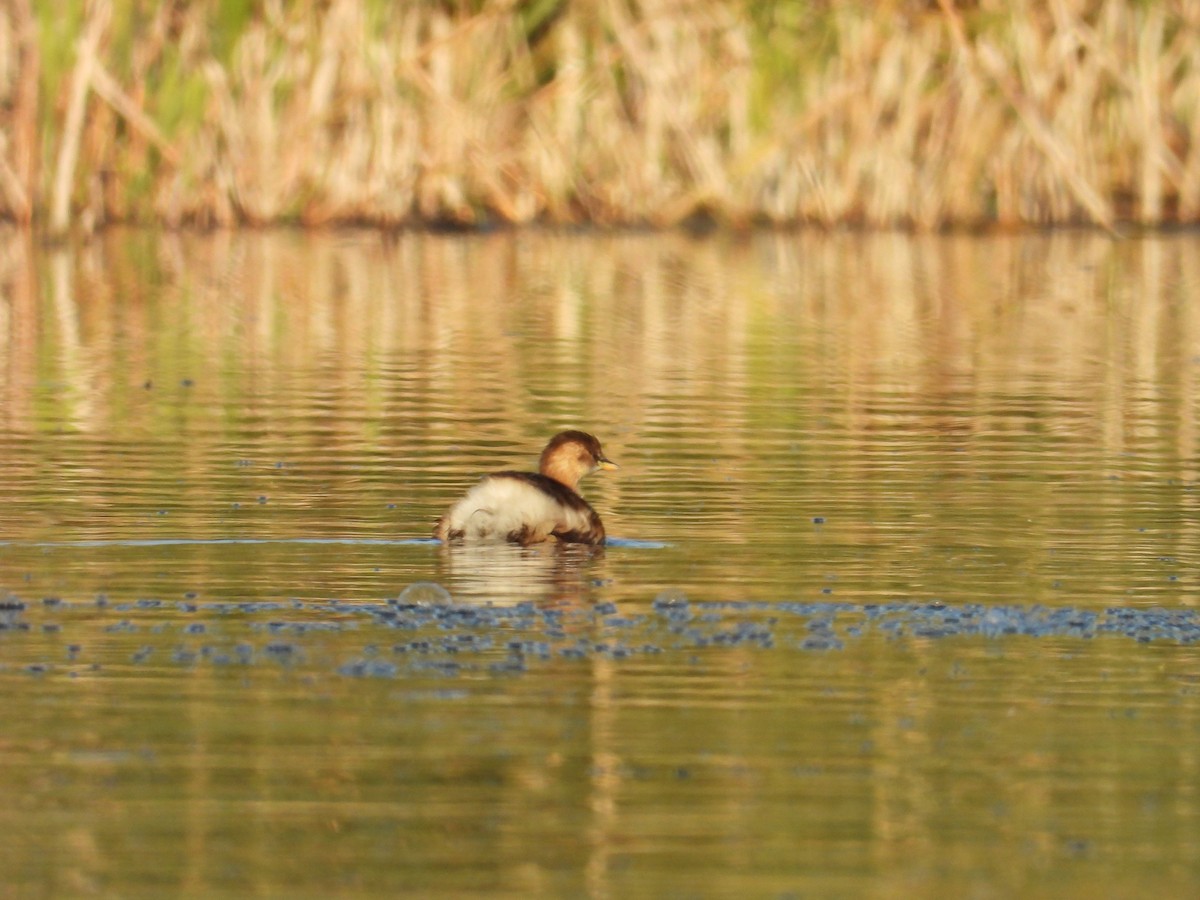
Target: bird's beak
<point>606,464</point>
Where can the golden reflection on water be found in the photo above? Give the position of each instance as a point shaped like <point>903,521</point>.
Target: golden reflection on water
<point>853,418</point>
<point>493,329</point>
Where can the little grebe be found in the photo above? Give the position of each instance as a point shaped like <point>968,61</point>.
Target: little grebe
<point>530,507</point>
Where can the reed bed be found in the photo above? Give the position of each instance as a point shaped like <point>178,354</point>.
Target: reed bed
<point>605,112</point>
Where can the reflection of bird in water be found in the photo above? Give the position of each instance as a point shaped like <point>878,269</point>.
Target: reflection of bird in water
<point>531,507</point>
<point>500,573</point>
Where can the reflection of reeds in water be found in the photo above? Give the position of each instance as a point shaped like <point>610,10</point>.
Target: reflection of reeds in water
<point>603,111</point>
<point>519,333</point>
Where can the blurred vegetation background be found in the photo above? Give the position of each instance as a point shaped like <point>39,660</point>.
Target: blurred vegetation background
<point>468,113</point>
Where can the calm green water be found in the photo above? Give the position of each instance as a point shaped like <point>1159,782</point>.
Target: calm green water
<point>902,601</point>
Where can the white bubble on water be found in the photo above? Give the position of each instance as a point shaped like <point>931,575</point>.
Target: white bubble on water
<point>424,593</point>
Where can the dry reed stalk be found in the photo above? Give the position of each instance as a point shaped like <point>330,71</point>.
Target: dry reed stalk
<point>99,13</point>
<point>1148,83</point>
<point>18,156</point>
<point>984,56</point>
<point>110,91</point>
<point>88,75</point>
<point>1146,97</point>
<point>11,188</point>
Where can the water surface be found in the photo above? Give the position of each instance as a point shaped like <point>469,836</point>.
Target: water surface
<point>901,601</point>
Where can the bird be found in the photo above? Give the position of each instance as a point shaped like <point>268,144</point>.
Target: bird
<point>531,507</point>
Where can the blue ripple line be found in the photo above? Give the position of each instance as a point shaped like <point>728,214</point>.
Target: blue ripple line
<point>174,542</point>
<point>636,544</point>
<point>632,543</point>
